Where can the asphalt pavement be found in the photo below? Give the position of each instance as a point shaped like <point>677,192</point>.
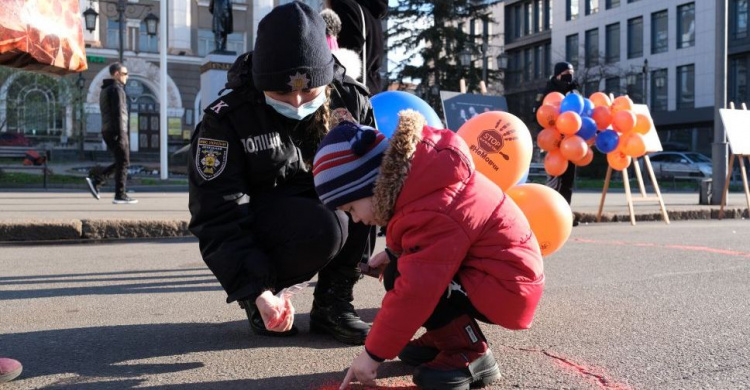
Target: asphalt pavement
<point>653,306</point>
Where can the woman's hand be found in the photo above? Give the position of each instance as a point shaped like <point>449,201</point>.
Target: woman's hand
<point>364,369</point>
<point>277,313</point>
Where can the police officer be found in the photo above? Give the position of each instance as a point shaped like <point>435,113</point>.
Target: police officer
<point>254,208</point>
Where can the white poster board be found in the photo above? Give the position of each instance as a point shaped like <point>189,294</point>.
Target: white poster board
<point>653,144</point>
<point>737,125</point>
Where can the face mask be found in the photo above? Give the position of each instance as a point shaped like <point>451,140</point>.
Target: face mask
<point>567,78</point>
<point>297,113</point>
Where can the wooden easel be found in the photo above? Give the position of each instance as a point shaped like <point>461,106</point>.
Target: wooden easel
<point>652,145</point>
<point>740,153</point>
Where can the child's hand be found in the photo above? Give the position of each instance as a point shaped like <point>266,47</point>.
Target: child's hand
<point>379,262</point>
<point>364,369</point>
<point>277,313</point>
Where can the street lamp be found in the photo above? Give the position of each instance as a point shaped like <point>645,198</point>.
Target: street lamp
<point>120,7</point>
<point>502,61</point>
<point>465,57</point>
<point>80,83</point>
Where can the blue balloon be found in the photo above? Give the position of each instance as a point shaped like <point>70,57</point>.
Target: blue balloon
<point>572,102</point>
<point>386,106</point>
<point>588,128</point>
<point>607,141</point>
<point>588,107</point>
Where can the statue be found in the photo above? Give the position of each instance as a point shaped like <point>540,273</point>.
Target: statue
<point>222,24</point>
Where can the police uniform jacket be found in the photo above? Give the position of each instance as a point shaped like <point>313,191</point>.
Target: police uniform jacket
<point>244,155</point>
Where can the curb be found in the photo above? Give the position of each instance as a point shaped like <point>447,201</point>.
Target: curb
<point>674,215</point>
<point>88,229</point>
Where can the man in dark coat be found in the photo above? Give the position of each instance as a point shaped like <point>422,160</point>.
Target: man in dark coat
<point>223,23</point>
<point>354,36</point>
<point>114,108</point>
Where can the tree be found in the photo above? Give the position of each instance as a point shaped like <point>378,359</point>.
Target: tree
<point>440,43</point>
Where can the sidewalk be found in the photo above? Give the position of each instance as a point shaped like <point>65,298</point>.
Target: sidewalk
<point>75,215</point>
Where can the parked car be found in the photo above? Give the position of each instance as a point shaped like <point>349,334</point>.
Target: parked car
<point>14,139</point>
<point>680,165</point>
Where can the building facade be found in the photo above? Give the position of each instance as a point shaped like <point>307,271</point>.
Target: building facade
<point>24,95</point>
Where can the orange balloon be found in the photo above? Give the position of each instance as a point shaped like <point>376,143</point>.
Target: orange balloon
<point>555,163</point>
<point>568,123</point>
<point>549,215</point>
<point>600,99</point>
<point>501,146</point>
<point>622,103</point>
<point>546,115</point>
<point>634,146</point>
<point>618,160</point>
<point>553,98</point>
<point>602,115</point>
<point>642,124</point>
<point>591,142</point>
<point>623,121</point>
<point>586,160</point>
<point>573,148</point>
<point>549,139</point>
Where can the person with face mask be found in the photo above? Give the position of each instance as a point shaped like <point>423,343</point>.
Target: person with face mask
<point>562,81</point>
<point>260,225</point>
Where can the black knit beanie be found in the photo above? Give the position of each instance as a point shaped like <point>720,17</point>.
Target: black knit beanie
<point>562,67</point>
<point>291,52</point>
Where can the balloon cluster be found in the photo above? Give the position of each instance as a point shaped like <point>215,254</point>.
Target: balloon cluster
<point>501,146</point>
<point>573,124</point>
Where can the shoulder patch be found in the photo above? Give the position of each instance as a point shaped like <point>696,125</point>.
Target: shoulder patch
<point>223,105</point>
<point>211,157</point>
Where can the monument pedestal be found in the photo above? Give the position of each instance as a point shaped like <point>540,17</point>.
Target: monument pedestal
<point>214,76</point>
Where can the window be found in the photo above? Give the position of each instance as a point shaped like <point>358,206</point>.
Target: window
<point>528,65</point>
<point>686,25</point>
<point>539,16</point>
<point>113,35</point>
<point>685,87</point>
<point>632,1</point>
<point>635,87</point>
<point>612,85</point>
<point>613,43</point>
<point>738,12</point>
<point>547,58</point>
<point>571,49</point>
<point>571,10</point>
<point>659,33</point>
<point>737,83</point>
<point>548,13</point>
<point>635,37</point>
<point>206,44</point>
<point>590,86</point>
<point>146,42</point>
<point>592,47</point>
<point>538,62</point>
<point>592,7</point>
<point>612,4</point>
<point>659,90</point>
<point>528,14</point>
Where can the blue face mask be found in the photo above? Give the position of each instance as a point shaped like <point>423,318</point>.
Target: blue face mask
<point>297,113</point>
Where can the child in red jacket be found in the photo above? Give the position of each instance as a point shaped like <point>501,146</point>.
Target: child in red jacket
<point>459,250</point>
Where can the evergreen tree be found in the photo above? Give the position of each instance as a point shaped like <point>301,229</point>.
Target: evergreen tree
<point>443,41</point>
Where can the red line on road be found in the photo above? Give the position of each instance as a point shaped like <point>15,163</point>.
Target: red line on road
<point>665,246</point>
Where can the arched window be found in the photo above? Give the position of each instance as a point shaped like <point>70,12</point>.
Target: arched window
<point>35,105</point>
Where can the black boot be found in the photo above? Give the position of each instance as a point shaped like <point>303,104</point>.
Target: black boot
<point>332,310</point>
<point>256,321</point>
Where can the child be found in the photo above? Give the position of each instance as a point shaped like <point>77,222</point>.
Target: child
<point>458,249</point>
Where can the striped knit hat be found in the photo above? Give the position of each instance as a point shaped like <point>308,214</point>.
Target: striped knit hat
<point>347,163</point>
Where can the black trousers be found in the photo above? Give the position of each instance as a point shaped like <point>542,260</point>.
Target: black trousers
<point>564,183</point>
<point>452,304</point>
<point>120,147</point>
<point>303,237</point>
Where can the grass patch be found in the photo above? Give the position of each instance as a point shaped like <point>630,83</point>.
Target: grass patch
<point>10,179</point>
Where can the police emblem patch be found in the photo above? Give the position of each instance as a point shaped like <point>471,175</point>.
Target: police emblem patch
<point>211,157</point>
<point>299,81</point>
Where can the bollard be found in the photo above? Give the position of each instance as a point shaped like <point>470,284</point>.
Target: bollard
<point>706,191</point>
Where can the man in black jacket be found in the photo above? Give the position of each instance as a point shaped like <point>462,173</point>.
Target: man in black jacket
<point>562,81</point>
<point>114,108</point>
<point>260,224</point>
<point>356,37</point>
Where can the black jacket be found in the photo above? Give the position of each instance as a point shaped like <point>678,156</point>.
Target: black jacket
<point>555,86</point>
<point>244,155</point>
<point>114,107</point>
<point>351,37</point>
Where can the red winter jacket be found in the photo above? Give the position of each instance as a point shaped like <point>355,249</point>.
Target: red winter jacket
<point>443,218</point>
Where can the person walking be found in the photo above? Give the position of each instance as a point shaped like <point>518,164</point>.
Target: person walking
<point>260,225</point>
<point>114,108</point>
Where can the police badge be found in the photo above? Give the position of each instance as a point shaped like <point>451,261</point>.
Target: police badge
<point>211,157</point>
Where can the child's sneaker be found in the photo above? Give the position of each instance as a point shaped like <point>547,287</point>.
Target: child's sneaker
<point>124,199</point>
<point>9,369</point>
<point>464,360</point>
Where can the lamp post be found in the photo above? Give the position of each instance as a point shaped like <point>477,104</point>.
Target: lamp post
<point>81,83</point>
<point>121,7</point>
<point>645,81</point>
